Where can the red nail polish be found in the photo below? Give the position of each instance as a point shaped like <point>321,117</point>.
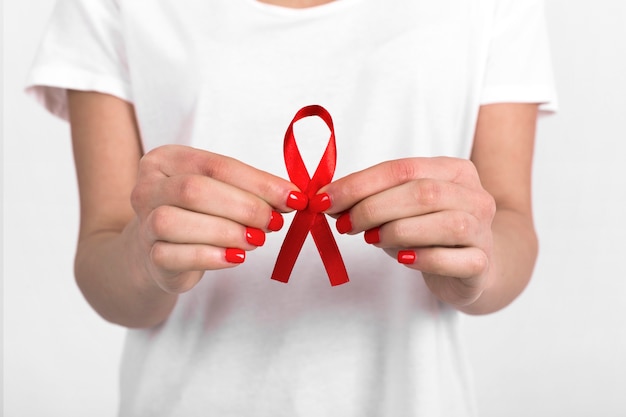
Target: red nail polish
<point>319,203</point>
<point>276,222</point>
<point>297,200</point>
<point>406,257</point>
<point>344,224</point>
<point>254,236</point>
<point>372,235</point>
<point>235,256</point>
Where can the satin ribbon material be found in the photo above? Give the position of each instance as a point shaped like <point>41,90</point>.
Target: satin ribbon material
<point>306,221</point>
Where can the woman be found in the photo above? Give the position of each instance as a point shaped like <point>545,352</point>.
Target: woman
<point>178,111</point>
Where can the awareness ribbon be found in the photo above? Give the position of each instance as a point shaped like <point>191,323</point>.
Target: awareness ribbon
<point>307,220</point>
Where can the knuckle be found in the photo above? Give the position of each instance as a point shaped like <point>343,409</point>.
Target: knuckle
<point>368,210</point>
<point>199,256</point>
<point>188,190</point>
<point>465,170</point>
<point>467,166</point>
<point>152,159</point>
<point>214,166</point>
<point>478,262</point>
<point>155,160</point>
<point>402,170</point>
<point>487,206</point>
<point>428,193</point>
<point>139,196</point>
<point>352,190</point>
<point>253,213</point>
<point>402,235</point>
<point>436,262</point>
<point>461,227</point>
<point>271,188</point>
<point>159,221</point>
<point>159,255</point>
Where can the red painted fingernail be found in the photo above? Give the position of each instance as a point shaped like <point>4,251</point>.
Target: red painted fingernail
<point>406,257</point>
<point>254,236</point>
<point>276,222</point>
<point>235,256</point>
<point>344,224</point>
<point>297,200</point>
<point>372,235</point>
<point>319,203</point>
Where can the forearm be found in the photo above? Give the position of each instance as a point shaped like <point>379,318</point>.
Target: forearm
<point>514,254</point>
<point>109,274</point>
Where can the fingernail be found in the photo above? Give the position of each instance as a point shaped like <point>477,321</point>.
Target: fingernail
<point>344,224</point>
<point>372,235</point>
<point>297,200</point>
<point>254,236</point>
<point>276,222</point>
<point>406,257</point>
<point>235,256</point>
<point>319,203</point>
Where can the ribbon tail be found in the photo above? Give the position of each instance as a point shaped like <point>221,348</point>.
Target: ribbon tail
<point>329,251</point>
<point>292,245</point>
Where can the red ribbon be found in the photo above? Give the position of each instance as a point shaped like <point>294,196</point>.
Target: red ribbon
<point>307,220</point>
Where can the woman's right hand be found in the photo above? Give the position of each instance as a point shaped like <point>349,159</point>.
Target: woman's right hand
<point>199,211</point>
<point>150,225</point>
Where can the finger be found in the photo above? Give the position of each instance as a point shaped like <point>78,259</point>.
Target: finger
<point>446,228</point>
<point>176,225</point>
<point>175,160</point>
<point>172,259</point>
<point>462,263</point>
<point>211,197</point>
<point>414,198</point>
<point>347,191</point>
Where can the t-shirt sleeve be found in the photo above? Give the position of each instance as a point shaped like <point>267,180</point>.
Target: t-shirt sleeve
<point>82,49</point>
<point>519,67</point>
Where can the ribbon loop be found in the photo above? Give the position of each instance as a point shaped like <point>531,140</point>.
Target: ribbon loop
<point>306,221</point>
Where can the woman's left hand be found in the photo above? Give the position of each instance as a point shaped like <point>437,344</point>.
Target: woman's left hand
<point>431,214</point>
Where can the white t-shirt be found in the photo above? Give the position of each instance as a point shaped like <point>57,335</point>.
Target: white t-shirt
<point>400,78</point>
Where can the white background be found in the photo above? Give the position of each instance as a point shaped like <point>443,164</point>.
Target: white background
<point>560,350</point>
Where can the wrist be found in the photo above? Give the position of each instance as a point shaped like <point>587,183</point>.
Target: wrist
<point>111,277</point>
